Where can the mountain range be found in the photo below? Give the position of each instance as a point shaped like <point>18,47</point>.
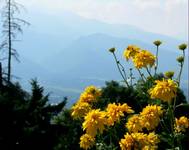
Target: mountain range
<point>68,52</point>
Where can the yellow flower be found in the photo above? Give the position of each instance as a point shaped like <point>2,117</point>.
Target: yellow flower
<point>125,108</point>
<point>80,110</point>
<point>165,90</point>
<point>143,59</point>
<point>90,94</point>
<point>95,121</point>
<point>134,124</point>
<point>126,143</point>
<point>87,98</point>
<point>131,51</point>
<point>181,124</point>
<point>150,116</point>
<point>153,140</point>
<point>86,141</point>
<point>139,141</point>
<point>149,147</point>
<point>93,90</point>
<point>114,112</point>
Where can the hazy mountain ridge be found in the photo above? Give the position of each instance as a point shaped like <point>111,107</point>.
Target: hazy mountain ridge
<point>77,55</point>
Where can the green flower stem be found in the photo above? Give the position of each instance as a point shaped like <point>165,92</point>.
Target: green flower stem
<point>163,124</point>
<point>148,72</point>
<point>118,66</point>
<point>141,75</point>
<point>156,60</point>
<point>179,77</point>
<point>144,77</point>
<point>123,69</point>
<point>172,122</point>
<point>181,68</point>
<point>174,104</point>
<point>131,77</point>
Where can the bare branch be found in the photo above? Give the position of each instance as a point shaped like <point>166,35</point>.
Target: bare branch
<point>12,26</point>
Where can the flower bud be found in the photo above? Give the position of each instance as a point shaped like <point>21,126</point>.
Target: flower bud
<point>157,42</point>
<point>112,50</point>
<point>169,74</point>
<point>180,59</point>
<point>182,47</point>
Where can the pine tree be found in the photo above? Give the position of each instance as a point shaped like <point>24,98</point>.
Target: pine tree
<point>26,118</point>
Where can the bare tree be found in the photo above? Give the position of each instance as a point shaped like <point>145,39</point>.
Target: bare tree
<point>12,25</point>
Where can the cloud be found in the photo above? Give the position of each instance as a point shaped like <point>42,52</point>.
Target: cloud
<point>164,4</point>
<point>161,16</point>
<point>146,4</point>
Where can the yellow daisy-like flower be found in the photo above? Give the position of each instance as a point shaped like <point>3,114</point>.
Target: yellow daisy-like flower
<point>165,90</point>
<point>86,141</point>
<point>149,147</point>
<point>90,94</point>
<point>134,124</point>
<point>139,141</point>
<point>152,140</point>
<point>131,51</point>
<point>80,110</point>
<point>95,121</point>
<point>150,116</point>
<point>87,98</point>
<point>127,143</point>
<point>181,124</point>
<point>126,108</point>
<point>114,112</point>
<point>146,141</point>
<point>93,91</point>
<point>143,59</point>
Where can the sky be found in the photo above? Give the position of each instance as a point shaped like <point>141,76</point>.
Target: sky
<point>168,17</point>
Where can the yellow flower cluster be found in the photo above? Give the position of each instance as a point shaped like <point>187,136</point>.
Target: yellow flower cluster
<point>83,105</point>
<point>86,141</point>
<point>131,51</point>
<point>149,118</point>
<point>139,141</point>
<point>140,58</point>
<point>90,94</point>
<point>127,143</point>
<point>165,90</point>
<point>140,127</point>
<point>144,59</point>
<point>181,124</point>
<point>80,110</point>
<point>114,112</point>
<point>134,124</point>
<point>95,121</point>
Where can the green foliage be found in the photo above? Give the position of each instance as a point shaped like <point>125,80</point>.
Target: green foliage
<point>25,118</point>
<point>114,92</point>
<point>69,131</point>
